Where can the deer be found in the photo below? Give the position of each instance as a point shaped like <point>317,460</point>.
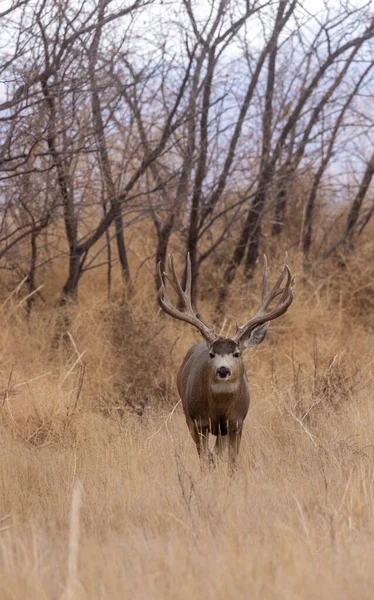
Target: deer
<point>212,382</point>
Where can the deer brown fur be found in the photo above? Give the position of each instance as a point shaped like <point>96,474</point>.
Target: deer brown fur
<point>211,381</point>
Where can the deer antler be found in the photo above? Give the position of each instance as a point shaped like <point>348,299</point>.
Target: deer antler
<point>188,314</point>
<point>263,314</point>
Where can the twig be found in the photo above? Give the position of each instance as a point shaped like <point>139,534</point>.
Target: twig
<point>27,297</point>
<point>310,435</point>
<point>17,385</point>
<point>73,343</point>
<point>79,359</point>
<point>72,578</point>
<point>2,520</point>
<point>6,391</point>
<point>165,423</point>
<point>81,373</point>
<point>15,291</point>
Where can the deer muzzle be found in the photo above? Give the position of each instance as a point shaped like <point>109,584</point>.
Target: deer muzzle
<point>223,373</point>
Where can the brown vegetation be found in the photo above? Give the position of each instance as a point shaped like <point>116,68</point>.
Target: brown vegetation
<point>296,521</point>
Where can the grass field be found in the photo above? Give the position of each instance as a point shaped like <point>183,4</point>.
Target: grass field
<point>98,502</point>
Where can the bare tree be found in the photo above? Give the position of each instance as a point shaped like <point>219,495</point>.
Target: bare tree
<point>336,46</point>
<point>103,123</point>
<point>327,154</point>
<point>99,129</point>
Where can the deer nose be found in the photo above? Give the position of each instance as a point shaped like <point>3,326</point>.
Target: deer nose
<point>223,372</point>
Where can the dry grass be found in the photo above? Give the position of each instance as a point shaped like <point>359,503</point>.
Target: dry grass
<point>97,502</point>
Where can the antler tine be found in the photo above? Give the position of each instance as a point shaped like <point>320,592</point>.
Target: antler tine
<point>188,313</point>
<point>184,295</point>
<point>163,300</point>
<point>289,282</point>
<point>262,316</point>
<point>276,291</point>
<point>172,279</point>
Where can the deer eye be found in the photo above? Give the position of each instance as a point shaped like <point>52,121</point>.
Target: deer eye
<point>236,354</point>
<point>211,354</point>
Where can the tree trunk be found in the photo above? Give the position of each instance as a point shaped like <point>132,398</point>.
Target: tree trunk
<point>280,210</point>
<point>121,248</point>
<point>192,250</point>
<point>103,152</point>
<point>307,232</point>
<point>193,231</point>
<point>162,246</point>
<point>355,209</point>
<point>254,220</point>
<point>70,289</point>
<point>235,262</point>
<point>251,233</point>
<point>31,274</point>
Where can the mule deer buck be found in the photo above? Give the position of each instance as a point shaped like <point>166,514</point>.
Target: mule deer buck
<point>211,381</point>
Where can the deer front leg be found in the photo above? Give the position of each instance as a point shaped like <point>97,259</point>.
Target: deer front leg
<point>235,436</point>
<point>200,436</point>
<point>221,444</point>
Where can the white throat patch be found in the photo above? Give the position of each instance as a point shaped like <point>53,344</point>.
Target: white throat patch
<point>224,387</point>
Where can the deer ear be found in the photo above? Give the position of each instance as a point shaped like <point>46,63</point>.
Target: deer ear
<point>256,336</point>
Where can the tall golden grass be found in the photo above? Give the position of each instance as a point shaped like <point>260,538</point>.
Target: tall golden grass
<point>100,502</point>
